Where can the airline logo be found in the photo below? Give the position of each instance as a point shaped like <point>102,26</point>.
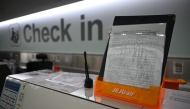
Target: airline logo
<point>123,91</point>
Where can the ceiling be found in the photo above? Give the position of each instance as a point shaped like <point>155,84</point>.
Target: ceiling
<point>15,8</point>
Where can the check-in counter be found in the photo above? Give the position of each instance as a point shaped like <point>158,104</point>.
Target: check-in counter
<point>62,90</point>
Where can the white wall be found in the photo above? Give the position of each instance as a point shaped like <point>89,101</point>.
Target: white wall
<point>103,10</point>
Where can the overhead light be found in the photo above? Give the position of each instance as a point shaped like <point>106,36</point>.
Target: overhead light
<point>160,35</point>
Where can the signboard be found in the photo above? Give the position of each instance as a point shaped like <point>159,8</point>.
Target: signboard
<point>83,26</point>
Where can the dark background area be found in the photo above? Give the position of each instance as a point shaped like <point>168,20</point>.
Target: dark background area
<point>16,8</point>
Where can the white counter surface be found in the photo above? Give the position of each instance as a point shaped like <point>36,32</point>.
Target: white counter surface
<point>40,95</point>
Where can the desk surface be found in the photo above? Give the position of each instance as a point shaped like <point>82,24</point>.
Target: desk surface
<point>88,95</point>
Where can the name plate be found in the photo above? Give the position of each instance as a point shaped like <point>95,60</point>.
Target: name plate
<point>146,96</point>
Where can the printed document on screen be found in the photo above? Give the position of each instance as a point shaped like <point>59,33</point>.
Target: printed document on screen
<point>135,55</point>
